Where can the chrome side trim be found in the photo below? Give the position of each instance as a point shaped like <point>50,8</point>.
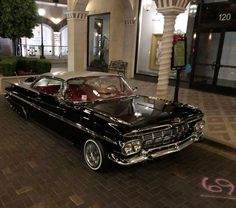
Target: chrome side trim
<point>24,112</point>
<point>26,87</point>
<point>61,118</point>
<point>155,152</point>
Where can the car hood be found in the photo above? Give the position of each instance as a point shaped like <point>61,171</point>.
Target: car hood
<point>141,111</point>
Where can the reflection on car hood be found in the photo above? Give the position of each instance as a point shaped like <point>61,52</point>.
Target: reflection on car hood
<point>141,111</point>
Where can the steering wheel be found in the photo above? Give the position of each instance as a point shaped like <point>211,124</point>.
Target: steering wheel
<point>112,88</point>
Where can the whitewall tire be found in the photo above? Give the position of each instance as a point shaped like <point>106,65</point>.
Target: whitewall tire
<point>94,154</point>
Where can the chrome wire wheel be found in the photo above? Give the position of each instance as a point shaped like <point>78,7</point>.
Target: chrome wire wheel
<point>93,154</point>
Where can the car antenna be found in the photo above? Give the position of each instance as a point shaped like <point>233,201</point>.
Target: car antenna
<point>17,77</point>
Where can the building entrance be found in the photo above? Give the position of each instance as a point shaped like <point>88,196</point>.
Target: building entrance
<point>214,62</point>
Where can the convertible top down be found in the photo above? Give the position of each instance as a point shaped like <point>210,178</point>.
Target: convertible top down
<point>102,110</point>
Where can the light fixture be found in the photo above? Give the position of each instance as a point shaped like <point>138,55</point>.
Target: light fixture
<point>147,5</point>
<point>210,36</point>
<point>55,20</point>
<point>41,12</point>
<point>193,10</point>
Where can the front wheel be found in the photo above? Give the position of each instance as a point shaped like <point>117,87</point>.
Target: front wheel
<point>95,155</point>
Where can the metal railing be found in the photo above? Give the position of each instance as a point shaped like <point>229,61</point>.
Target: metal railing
<point>56,52</point>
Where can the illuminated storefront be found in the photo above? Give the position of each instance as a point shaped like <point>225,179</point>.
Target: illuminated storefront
<point>151,24</point>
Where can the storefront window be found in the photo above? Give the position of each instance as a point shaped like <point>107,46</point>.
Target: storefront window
<point>150,34</point>
<point>98,48</point>
<point>64,41</point>
<point>31,46</point>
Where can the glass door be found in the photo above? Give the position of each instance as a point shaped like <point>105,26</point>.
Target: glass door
<point>207,58</point>
<point>227,70</point>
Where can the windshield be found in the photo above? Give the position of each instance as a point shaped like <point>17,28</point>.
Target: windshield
<point>96,88</point>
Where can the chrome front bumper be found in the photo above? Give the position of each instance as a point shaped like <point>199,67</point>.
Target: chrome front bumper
<point>155,152</point>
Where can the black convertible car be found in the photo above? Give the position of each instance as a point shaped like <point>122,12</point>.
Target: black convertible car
<point>104,112</point>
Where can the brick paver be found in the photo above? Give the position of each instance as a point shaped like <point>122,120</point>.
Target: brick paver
<point>40,169</point>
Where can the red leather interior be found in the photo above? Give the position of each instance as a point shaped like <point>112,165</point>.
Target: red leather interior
<point>75,92</point>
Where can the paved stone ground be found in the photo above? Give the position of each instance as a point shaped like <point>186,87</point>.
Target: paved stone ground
<point>39,169</point>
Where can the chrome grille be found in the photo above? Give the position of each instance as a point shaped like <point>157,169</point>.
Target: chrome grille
<point>164,136</point>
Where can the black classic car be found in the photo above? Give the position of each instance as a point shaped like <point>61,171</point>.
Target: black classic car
<point>103,111</point>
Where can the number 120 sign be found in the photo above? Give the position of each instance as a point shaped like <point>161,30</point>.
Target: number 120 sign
<point>224,17</point>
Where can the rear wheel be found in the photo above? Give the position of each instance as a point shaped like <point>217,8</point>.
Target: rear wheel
<point>95,155</point>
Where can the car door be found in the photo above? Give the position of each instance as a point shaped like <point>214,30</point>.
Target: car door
<point>47,106</point>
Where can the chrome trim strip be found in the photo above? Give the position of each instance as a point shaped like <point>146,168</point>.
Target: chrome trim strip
<point>139,132</point>
<point>196,119</point>
<point>61,118</point>
<point>26,87</point>
<point>155,152</point>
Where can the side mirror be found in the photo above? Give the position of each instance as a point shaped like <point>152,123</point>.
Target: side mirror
<point>60,98</point>
<point>135,89</point>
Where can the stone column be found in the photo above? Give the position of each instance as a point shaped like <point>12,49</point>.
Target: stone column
<point>170,9</point>
<point>77,40</point>
<point>129,45</point>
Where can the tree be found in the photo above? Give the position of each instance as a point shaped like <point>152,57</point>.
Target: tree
<point>17,19</point>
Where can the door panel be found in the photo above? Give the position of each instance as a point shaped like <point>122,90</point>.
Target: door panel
<point>227,77</point>
<point>206,58</point>
<point>208,50</point>
<point>204,74</point>
<point>227,71</point>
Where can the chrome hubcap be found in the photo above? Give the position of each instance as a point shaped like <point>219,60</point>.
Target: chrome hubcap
<point>92,154</point>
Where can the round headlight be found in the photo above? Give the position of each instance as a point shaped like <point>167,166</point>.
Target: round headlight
<point>132,147</point>
<point>199,126</point>
<point>136,145</point>
<point>128,148</point>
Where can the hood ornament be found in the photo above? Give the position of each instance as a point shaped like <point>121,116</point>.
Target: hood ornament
<point>176,120</point>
